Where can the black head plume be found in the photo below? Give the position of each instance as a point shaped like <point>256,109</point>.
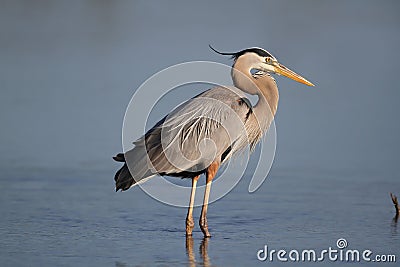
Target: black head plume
<point>223,53</point>
<point>259,51</point>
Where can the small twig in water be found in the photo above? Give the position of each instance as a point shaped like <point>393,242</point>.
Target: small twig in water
<point>396,204</point>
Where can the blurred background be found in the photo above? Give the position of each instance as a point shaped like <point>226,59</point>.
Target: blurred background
<point>69,68</point>
<point>68,71</point>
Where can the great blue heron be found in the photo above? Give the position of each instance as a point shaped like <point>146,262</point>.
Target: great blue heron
<point>202,118</point>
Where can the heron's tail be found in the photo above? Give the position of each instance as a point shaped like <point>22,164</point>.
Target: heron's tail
<point>138,171</point>
<point>123,178</point>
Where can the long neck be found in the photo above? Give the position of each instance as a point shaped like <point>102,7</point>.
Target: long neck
<point>268,95</point>
<point>264,87</point>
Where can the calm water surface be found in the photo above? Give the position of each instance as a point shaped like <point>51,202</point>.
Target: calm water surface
<point>75,219</point>
<point>69,68</point>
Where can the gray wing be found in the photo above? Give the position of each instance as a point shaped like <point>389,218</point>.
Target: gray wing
<point>192,136</point>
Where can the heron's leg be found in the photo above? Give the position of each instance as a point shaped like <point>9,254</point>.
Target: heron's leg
<point>189,217</point>
<point>210,174</point>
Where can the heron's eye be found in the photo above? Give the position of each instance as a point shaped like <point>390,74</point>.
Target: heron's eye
<point>268,59</point>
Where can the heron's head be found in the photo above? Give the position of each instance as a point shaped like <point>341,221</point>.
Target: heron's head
<point>263,62</point>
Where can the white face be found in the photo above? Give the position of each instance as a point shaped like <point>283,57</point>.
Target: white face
<point>254,61</point>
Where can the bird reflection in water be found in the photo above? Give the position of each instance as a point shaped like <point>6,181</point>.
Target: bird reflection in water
<point>203,249</point>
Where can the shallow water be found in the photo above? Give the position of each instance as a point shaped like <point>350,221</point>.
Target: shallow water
<point>75,219</point>
<point>69,69</point>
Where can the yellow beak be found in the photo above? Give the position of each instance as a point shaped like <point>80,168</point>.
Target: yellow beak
<point>282,70</point>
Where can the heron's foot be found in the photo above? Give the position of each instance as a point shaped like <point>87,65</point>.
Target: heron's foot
<point>189,226</point>
<point>204,227</point>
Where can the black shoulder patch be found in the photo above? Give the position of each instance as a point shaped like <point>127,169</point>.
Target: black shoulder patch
<point>246,101</point>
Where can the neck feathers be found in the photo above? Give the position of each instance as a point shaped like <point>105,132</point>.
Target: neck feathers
<point>264,86</point>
